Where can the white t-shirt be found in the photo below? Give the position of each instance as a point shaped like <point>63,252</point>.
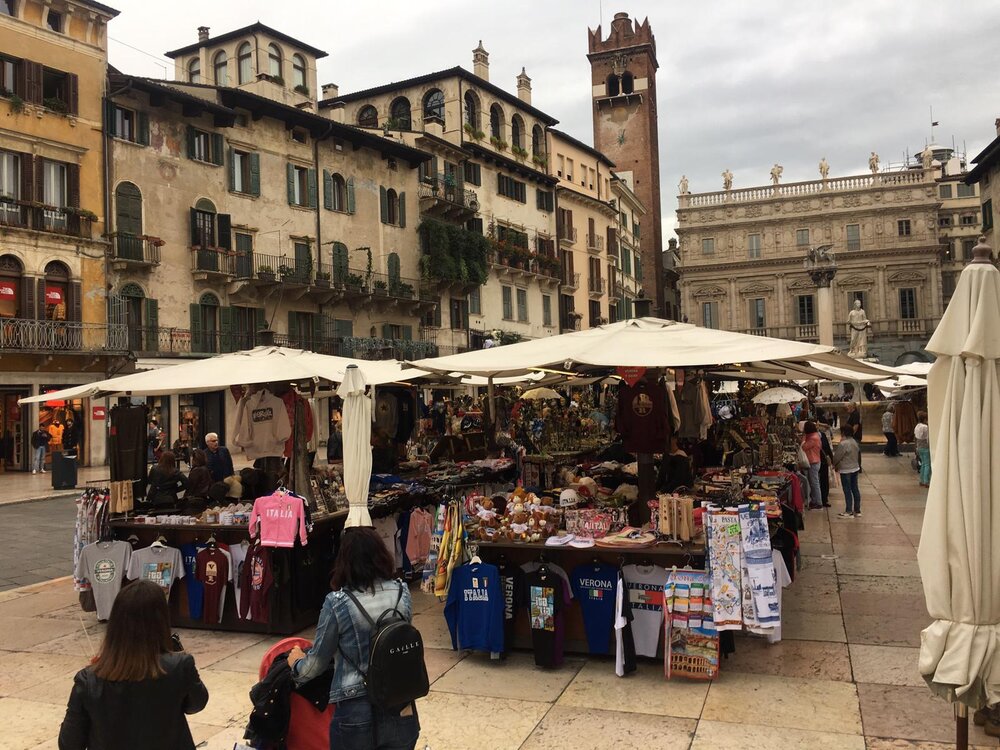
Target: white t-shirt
<point>104,565</point>
<point>645,595</point>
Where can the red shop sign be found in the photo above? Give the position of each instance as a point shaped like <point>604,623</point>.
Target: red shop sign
<point>99,413</point>
<point>8,289</point>
<point>53,295</point>
<point>631,375</point>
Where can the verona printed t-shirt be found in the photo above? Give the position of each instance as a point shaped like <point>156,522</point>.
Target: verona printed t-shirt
<point>645,595</point>
<point>213,572</point>
<point>160,564</point>
<point>104,564</point>
<point>594,588</point>
<point>512,590</point>
<point>548,596</point>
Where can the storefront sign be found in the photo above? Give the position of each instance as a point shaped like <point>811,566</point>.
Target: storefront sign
<point>8,290</point>
<point>99,413</point>
<point>631,375</point>
<point>53,295</point>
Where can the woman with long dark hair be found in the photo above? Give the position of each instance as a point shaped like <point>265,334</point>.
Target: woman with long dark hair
<point>365,568</point>
<point>138,689</point>
<point>165,481</point>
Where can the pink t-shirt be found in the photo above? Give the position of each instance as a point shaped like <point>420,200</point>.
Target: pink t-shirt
<point>280,515</point>
<point>418,538</point>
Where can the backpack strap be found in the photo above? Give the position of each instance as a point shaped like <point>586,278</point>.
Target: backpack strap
<point>371,622</point>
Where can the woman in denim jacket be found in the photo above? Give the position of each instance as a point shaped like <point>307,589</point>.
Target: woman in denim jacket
<point>365,567</point>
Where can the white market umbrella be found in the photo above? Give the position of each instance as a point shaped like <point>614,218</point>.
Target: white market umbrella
<point>536,394</point>
<point>780,395</point>
<point>357,431</point>
<point>959,552</point>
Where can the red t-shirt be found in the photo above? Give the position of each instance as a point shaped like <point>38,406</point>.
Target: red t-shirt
<point>212,569</point>
<point>642,419</point>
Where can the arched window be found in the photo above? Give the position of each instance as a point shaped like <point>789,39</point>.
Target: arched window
<point>338,193</point>
<point>613,87</point>
<point>133,291</point>
<point>471,110</point>
<point>274,60</point>
<point>194,71</point>
<point>299,72</point>
<point>368,117</point>
<point>339,264</point>
<point>11,290</point>
<point>391,207</point>
<point>538,141</point>
<point>128,222</point>
<point>56,291</point>
<point>244,63</point>
<point>434,106</point>
<point>627,82</point>
<point>394,271</point>
<point>496,121</point>
<point>203,226</point>
<point>220,68</point>
<point>399,114</point>
<point>516,131</point>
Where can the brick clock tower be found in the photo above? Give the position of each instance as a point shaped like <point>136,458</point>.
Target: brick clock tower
<point>623,74</point>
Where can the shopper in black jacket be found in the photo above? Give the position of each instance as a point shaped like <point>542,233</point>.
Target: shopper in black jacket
<point>166,483</point>
<point>138,689</point>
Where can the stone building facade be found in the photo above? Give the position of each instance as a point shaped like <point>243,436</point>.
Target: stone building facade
<point>742,257</point>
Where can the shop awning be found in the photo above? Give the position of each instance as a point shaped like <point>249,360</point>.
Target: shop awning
<point>647,342</point>
<point>264,364</point>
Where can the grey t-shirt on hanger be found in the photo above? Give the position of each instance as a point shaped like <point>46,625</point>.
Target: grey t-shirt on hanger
<point>104,565</point>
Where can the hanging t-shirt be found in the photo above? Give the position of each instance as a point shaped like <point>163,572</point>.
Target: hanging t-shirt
<point>531,567</point>
<point>474,610</point>
<point>104,565</point>
<point>645,595</point>
<point>388,531</point>
<point>195,590</point>
<point>280,516</point>
<point>512,590</point>
<point>548,596</point>
<point>213,572</point>
<point>594,587</point>
<point>238,553</point>
<point>257,580</point>
<point>624,641</point>
<point>418,537</point>
<point>157,563</point>
<point>641,417</point>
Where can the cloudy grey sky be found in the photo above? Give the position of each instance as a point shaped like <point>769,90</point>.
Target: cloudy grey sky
<point>742,85</point>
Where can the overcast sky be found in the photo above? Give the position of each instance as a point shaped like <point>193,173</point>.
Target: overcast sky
<point>742,85</point>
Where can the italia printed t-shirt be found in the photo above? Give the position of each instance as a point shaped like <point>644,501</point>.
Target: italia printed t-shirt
<point>213,572</point>
<point>474,610</point>
<point>160,564</point>
<point>104,565</point>
<point>644,584</point>
<point>548,596</point>
<point>594,588</point>
<point>195,590</point>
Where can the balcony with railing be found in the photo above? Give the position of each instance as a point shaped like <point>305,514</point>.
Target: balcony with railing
<point>566,233</point>
<point>66,220</point>
<point>210,263</point>
<point>25,335</point>
<point>134,251</point>
<point>918,328</point>
<point>447,199</point>
<point>595,243</point>
<point>596,286</point>
<point>521,261</point>
<point>570,279</point>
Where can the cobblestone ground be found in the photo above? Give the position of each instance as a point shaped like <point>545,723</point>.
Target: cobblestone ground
<point>843,678</point>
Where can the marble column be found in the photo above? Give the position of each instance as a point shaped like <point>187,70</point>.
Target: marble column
<point>823,278</point>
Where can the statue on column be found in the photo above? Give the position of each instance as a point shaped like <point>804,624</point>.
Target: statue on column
<point>776,171</point>
<point>727,180</point>
<point>858,326</point>
<point>824,168</point>
<point>682,186</point>
<point>927,158</point>
<point>873,163</point>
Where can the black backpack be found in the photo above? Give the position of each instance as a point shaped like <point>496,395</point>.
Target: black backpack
<point>396,673</point>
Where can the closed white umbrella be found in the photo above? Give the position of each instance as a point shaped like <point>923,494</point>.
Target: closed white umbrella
<point>357,430</point>
<point>959,551</point>
<point>780,395</point>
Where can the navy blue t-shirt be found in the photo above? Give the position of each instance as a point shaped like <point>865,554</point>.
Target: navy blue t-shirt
<point>594,587</point>
<point>195,588</point>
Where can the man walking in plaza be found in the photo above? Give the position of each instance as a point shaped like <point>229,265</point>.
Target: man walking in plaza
<point>220,463</point>
<point>39,442</point>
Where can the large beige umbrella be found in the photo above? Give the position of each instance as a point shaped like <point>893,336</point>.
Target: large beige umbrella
<point>959,551</point>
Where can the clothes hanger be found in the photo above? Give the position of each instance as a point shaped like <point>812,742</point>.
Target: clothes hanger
<point>161,541</point>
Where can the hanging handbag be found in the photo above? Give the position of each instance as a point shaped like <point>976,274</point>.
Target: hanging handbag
<point>801,460</point>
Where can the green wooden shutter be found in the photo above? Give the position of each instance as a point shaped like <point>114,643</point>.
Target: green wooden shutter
<point>319,336</point>
<point>224,223</point>
<point>190,141</point>
<point>142,134</point>
<point>386,331</point>
<point>152,314</point>
<point>407,333</point>
<point>433,167</point>
<point>73,93</point>
<point>383,204</point>
<point>74,302</point>
<point>327,190</point>
<point>232,168</point>
<point>394,270</point>
<point>312,189</point>
<point>293,333</point>
<point>255,174</point>
<point>109,117</point>
<point>340,262</point>
<point>28,304</point>
<point>290,178</point>
<point>218,148</point>
<point>227,342</point>
<point>350,195</point>
<point>197,337</point>
<point>195,234</point>
<point>402,209</point>
<point>260,322</point>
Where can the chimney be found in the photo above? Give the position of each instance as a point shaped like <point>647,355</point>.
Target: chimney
<point>524,87</point>
<point>330,90</point>
<point>481,62</point>
<point>203,33</point>
<point>997,124</point>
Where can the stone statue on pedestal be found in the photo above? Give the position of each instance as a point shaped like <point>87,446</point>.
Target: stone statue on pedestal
<point>873,163</point>
<point>776,171</point>
<point>682,187</point>
<point>858,326</point>
<point>824,168</point>
<point>927,158</point>
<point>727,180</point>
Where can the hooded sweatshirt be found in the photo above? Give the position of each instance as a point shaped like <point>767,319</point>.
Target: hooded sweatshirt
<point>262,425</point>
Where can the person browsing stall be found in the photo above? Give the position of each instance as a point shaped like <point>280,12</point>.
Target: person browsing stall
<point>166,483</point>
<point>219,461</point>
<point>812,446</point>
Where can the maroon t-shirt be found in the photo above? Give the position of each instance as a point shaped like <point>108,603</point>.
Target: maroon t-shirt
<point>641,418</point>
<point>256,580</point>
<point>212,569</point>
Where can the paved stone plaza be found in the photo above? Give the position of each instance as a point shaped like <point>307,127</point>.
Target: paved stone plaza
<point>844,678</point>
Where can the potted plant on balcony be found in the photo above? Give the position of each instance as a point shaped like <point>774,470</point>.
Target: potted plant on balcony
<point>16,103</point>
<point>265,273</point>
<point>380,287</point>
<point>302,89</point>
<point>519,152</point>
<point>354,282</point>
<point>498,143</point>
<point>55,104</point>
<point>322,279</point>
<point>539,161</point>
<point>402,290</point>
